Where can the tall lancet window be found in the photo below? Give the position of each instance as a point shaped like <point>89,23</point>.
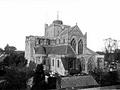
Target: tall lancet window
<point>80,47</point>
<point>83,63</point>
<point>73,44</point>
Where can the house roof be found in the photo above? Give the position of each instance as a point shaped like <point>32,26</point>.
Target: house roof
<point>58,50</point>
<point>78,81</point>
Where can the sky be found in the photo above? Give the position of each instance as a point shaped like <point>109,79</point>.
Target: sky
<point>21,18</point>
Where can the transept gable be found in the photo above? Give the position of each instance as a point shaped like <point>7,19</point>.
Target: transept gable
<point>76,30</point>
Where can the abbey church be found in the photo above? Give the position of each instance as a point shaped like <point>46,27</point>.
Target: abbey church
<point>61,49</point>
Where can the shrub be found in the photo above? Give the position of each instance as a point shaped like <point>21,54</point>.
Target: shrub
<point>16,79</point>
<point>74,71</point>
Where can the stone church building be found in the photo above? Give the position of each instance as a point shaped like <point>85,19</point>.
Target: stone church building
<point>61,49</point>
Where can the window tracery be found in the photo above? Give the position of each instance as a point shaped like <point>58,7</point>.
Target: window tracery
<point>83,63</point>
<point>80,47</point>
<point>73,44</point>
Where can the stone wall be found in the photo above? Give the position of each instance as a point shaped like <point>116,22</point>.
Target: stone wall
<point>29,48</point>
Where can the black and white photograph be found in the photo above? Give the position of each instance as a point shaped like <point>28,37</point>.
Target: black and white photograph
<point>59,44</point>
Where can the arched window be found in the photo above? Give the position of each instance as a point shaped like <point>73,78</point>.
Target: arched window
<point>73,44</point>
<point>82,63</point>
<point>48,42</point>
<point>41,41</point>
<point>80,47</point>
<point>90,64</point>
<point>63,40</point>
<point>58,41</point>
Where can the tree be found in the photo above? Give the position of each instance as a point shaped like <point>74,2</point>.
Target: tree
<point>1,50</point>
<point>39,79</point>
<point>15,59</point>
<point>9,49</point>
<point>16,80</point>
<point>117,55</point>
<point>110,47</point>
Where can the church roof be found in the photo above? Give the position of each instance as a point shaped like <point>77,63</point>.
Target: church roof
<point>57,50</point>
<point>71,29</point>
<point>40,50</point>
<point>63,50</point>
<point>89,52</point>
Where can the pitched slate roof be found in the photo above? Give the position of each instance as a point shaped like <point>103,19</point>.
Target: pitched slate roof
<point>68,30</point>
<point>78,81</point>
<point>58,50</point>
<point>40,50</point>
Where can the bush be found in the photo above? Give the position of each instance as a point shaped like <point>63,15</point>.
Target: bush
<point>74,71</point>
<point>110,78</point>
<point>16,79</point>
<point>105,78</point>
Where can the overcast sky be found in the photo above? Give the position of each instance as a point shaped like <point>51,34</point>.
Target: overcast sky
<point>20,18</point>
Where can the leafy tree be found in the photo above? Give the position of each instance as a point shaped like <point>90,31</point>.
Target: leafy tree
<point>16,79</point>
<point>117,55</point>
<point>1,50</point>
<point>9,49</point>
<point>39,79</point>
<point>16,72</point>
<point>15,59</point>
